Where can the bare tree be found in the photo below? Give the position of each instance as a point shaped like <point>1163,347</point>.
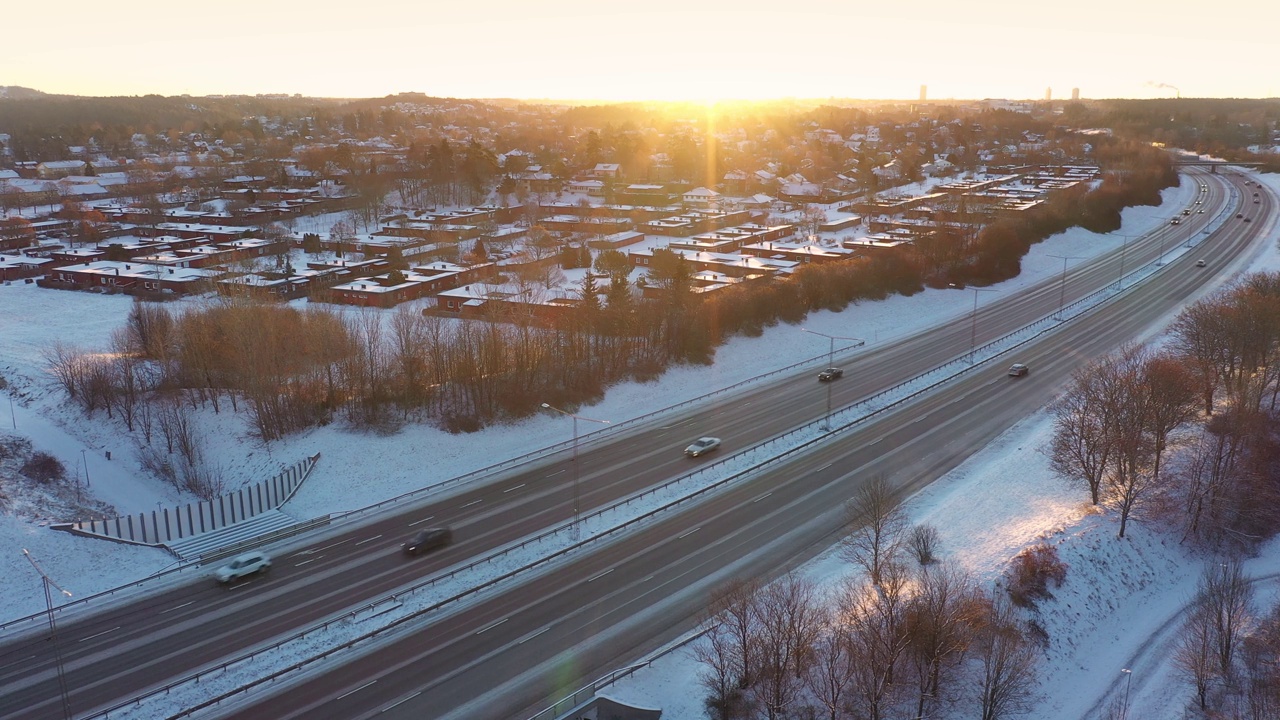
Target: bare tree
<point>790,618</point>
<point>923,541</point>
<point>1083,438</point>
<point>719,675</point>
<point>876,525</point>
<point>872,622</point>
<point>1008,662</point>
<point>1225,595</point>
<point>734,603</point>
<point>832,672</point>
<point>1194,655</point>
<point>939,622</point>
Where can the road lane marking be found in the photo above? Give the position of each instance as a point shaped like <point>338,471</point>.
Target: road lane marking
<point>375,537</point>
<point>597,577</point>
<point>313,551</point>
<point>104,632</point>
<point>824,467</point>
<point>689,533</point>
<point>352,692</point>
<point>762,497</point>
<point>178,608</point>
<point>525,640</point>
<point>17,662</point>
<point>515,488</point>
<point>473,502</point>
<point>490,627</point>
<point>555,473</point>
<point>304,562</point>
<point>419,522</point>
<point>401,702</point>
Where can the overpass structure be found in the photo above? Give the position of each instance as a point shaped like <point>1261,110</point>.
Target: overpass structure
<point>1213,165</point>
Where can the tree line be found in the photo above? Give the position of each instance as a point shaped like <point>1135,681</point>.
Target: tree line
<point>1218,379</point>
<point>289,369</point>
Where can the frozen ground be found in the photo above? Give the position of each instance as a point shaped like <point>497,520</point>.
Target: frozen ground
<point>1031,502</point>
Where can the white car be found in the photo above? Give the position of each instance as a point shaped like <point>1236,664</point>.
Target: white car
<point>1018,370</point>
<point>241,565</point>
<point>702,445</point>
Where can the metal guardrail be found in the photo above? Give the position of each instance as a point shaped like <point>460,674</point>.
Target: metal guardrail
<point>282,533</point>
<point>586,692</point>
<point>180,566</point>
<point>586,437</point>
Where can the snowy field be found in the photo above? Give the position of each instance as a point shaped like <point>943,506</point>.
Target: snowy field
<point>1008,481</point>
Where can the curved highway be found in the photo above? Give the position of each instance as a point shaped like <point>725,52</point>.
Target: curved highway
<point>119,652</point>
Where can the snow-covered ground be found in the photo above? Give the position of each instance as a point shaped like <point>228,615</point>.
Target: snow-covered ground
<point>1030,502</point>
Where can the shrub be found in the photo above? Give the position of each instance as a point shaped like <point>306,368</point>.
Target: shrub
<point>43,467</point>
<point>923,541</point>
<point>1033,570</point>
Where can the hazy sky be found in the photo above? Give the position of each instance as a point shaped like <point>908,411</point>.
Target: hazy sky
<point>661,49</point>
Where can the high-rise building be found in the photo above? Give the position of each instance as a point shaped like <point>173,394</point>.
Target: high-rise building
<point>924,92</point>
<point>1075,93</point>
<point>1048,94</point>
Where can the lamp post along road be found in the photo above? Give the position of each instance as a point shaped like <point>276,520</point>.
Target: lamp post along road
<point>1123,250</point>
<point>973,319</point>
<point>1128,680</point>
<point>574,460</point>
<point>831,359</point>
<point>53,629</point>
<point>1062,293</point>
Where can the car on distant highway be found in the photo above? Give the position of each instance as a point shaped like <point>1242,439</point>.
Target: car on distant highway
<point>1174,221</point>
<point>830,374</point>
<point>1246,219</point>
<point>1239,215</point>
<point>242,565</point>
<point>702,446</point>
<point>428,540</point>
<point>1200,263</point>
<point>1018,370</point>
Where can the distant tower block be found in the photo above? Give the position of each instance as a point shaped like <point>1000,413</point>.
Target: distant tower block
<point>1075,93</point>
<point>924,92</point>
<point>1048,94</point>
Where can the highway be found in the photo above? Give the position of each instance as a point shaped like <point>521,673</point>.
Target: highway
<point>119,652</point>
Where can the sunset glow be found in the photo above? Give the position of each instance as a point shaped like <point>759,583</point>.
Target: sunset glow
<point>572,49</point>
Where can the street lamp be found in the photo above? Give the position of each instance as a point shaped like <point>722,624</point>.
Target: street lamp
<point>1123,250</point>
<point>53,630</point>
<point>831,358</point>
<point>1160,260</point>
<point>1128,680</point>
<point>574,461</point>
<point>1062,294</point>
<point>973,323</point>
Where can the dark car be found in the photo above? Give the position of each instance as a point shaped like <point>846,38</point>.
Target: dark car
<point>1018,370</point>
<point>428,540</point>
<point>830,374</point>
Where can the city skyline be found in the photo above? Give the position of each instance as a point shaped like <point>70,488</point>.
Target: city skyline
<point>571,49</point>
